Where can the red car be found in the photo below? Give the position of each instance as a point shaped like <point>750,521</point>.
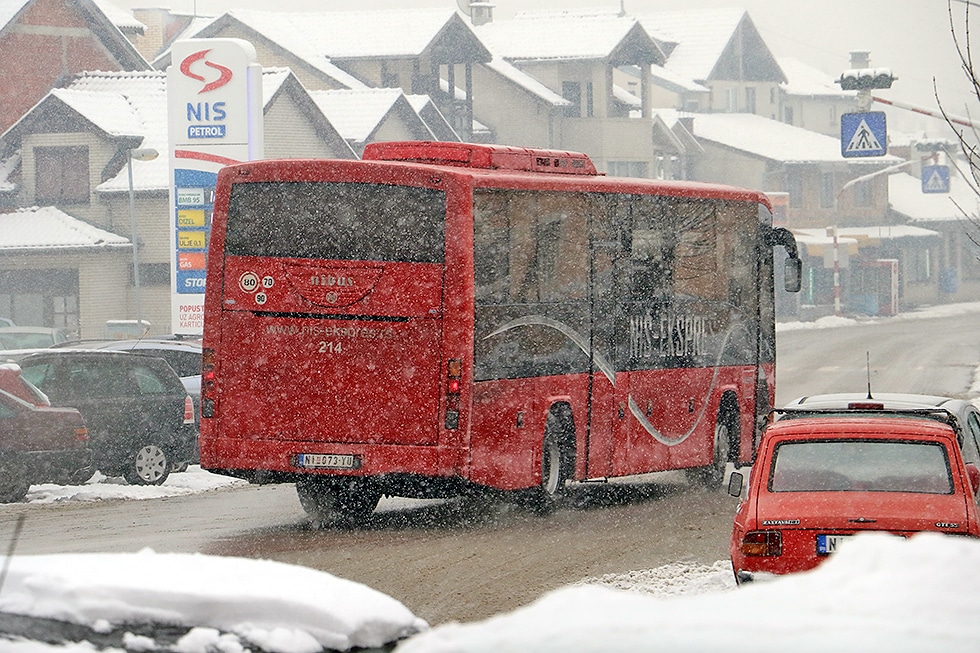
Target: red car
<point>40,444</point>
<point>819,480</point>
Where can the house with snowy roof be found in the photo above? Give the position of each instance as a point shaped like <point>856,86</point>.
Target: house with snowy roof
<point>551,84</point>
<point>956,217</point>
<point>716,62</point>
<point>70,153</point>
<point>812,100</point>
<point>824,191</point>
<point>363,116</point>
<point>44,42</point>
<point>422,51</point>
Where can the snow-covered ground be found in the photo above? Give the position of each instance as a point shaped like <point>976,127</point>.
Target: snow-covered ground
<point>877,593</point>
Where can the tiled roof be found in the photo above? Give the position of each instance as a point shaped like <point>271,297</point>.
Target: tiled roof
<point>50,228</point>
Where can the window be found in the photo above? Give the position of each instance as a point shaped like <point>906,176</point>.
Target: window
<point>572,91</point>
<point>794,185</point>
<point>749,99</point>
<point>788,115</point>
<point>61,175</point>
<point>589,100</point>
<point>861,465</point>
<point>863,194</point>
<point>731,100</point>
<point>628,169</point>
<point>827,190</point>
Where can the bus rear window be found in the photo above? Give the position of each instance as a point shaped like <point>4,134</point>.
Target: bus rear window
<point>342,221</point>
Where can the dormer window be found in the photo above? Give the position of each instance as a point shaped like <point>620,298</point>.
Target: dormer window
<point>61,175</point>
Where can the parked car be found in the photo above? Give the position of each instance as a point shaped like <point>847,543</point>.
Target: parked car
<point>184,356</point>
<point>140,418</point>
<point>25,337</point>
<point>12,381</point>
<point>966,416</point>
<point>40,444</point>
<point>818,480</point>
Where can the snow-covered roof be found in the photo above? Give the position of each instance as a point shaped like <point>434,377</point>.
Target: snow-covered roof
<point>121,18</point>
<point>774,140</point>
<point>9,10</point>
<point>569,35</point>
<point>672,81</point>
<point>804,79</point>
<point>905,197</point>
<point>50,228</point>
<point>127,104</point>
<point>433,117</point>
<point>887,232</point>
<point>105,21</point>
<point>358,113</point>
<point>701,36</point>
<point>527,82</point>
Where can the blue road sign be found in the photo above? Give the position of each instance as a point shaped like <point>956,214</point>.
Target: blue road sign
<point>935,179</point>
<point>863,134</point>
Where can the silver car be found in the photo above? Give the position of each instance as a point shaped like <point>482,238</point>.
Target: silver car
<point>965,415</point>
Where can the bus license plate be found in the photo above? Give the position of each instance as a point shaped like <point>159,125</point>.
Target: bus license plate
<point>327,461</point>
<point>827,544</point>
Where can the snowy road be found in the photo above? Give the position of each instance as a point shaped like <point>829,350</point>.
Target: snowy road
<point>466,561</point>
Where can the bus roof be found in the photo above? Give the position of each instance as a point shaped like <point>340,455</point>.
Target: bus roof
<point>490,157</point>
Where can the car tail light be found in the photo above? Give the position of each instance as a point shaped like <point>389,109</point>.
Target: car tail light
<point>81,434</point>
<point>188,410</point>
<point>762,543</point>
<point>454,380</point>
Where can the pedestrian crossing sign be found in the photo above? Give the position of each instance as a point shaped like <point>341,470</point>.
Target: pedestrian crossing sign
<point>863,134</point>
<point>935,179</point>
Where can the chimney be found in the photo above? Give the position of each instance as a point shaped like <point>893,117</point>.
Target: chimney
<point>860,59</point>
<point>481,13</point>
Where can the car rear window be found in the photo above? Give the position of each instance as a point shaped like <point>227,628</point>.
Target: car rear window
<point>861,466</point>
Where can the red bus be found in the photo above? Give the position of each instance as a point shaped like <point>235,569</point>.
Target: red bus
<point>443,317</point>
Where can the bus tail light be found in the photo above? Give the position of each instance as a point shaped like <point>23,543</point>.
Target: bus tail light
<point>208,378</point>
<point>454,382</point>
<point>762,543</point>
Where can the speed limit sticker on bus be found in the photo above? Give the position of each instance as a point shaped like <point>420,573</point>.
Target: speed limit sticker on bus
<point>248,282</point>
<point>328,461</point>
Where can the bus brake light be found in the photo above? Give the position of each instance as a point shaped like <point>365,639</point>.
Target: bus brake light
<point>454,370</point>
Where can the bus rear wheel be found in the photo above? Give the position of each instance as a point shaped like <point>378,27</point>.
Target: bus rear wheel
<point>726,432</point>
<point>555,469</point>
<point>349,502</point>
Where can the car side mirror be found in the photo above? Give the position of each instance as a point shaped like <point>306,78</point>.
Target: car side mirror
<point>974,473</point>
<point>792,274</point>
<point>735,483</point>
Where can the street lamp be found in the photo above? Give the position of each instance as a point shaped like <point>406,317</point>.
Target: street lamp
<point>141,154</point>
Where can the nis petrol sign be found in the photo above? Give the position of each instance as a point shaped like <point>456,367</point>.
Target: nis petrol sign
<point>205,118</point>
<point>209,79</point>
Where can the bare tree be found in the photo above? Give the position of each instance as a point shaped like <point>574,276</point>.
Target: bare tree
<point>966,131</point>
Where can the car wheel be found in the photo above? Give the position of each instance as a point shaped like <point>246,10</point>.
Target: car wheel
<point>344,503</point>
<point>13,486</point>
<point>148,465</point>
<point>711,476</point>
<point>542,500</point>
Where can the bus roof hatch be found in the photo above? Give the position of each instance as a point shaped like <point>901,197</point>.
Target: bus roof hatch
<point>490,157</point>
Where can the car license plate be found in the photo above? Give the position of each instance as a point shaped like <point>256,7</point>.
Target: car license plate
<point>328,461</point>
<point>827,544</point>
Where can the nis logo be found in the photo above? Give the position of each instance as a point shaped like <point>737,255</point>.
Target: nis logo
<point>205,118</point>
